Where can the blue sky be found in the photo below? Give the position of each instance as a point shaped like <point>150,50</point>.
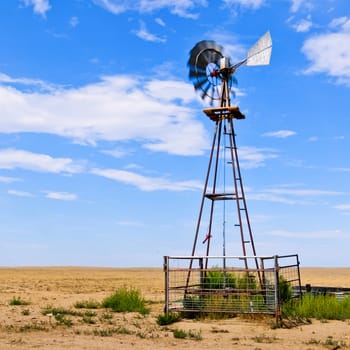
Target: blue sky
<point>104,146</point>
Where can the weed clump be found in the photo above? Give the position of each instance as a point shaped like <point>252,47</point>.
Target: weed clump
<point>18,301</point>
<point>126,300</point>
<point>87,304</point>
<point>109,332</point>
<point>168,318</point>
<point>181,334</point>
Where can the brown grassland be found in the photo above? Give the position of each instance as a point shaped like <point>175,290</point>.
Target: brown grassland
<point>26,327</point>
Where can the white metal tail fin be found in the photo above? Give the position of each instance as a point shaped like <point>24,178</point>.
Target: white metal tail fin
<point>260,53</point>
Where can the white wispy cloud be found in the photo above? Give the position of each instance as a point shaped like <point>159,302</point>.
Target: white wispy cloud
<point>147,183</point>
<point>291,194</point>
<point>27,84</point>
<point>169,90</point>
<point>341,22</point>
<point>342,169</point>
<point>160,22</point>
<point>310,234</point>
<point>303,192</point>
<point>21,159</point>
<point>113,6</point>
<point>131,224</point>
<point>298,5</point>
<point>304,25</point>
<point>182,8</point>
<point>329,53</point>
<point>144,34</point>
<point>117,153</point>
<point>19,193</point>
<point>63,196</point>
<point>280,134</point>
<point>253,157</point>
<point>74,21</point>
<point>40,6</point>
<point>254,4</point>
<point>270,197</point>
<point>154,112</point>
<point>344,208</point>
<point>295,5</point>
<point>8,179</point>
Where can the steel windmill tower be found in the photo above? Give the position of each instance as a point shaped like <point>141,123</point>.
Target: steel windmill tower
<point>223,221</point>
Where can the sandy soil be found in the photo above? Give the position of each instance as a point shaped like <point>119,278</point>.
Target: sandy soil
<point>25,326</point>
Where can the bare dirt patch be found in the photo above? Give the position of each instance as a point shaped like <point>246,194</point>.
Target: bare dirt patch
<point>25,326</point>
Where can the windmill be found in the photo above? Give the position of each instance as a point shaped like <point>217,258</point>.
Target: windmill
<point>212,75</point>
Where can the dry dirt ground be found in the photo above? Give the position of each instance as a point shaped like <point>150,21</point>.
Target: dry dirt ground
<point>26,327</point>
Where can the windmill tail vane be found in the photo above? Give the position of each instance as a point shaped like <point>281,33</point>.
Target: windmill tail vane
<point>260,53</point>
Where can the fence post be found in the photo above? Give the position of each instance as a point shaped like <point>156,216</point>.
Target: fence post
<point>201,274</point>
<point>166,275</point>
<point>277,292</point>
<point>298,267</point>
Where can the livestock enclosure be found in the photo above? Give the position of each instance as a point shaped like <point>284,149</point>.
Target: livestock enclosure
<point>224,284</point>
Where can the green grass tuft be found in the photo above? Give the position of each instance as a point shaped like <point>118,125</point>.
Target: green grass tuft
<point>18,301</point>
<point>60,311</point>
<point>169,318</point>
<point>87,304</point>
<point>322,307</point>
<point>181,334</point>
<point>25,312</point>
<point>109,332</point>
<point>126,300</point>
<point>63,320</point>
<point>34,326</point>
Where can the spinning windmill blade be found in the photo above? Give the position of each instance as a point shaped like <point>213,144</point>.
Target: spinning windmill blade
<point>204,65</point>
<point>209,68</point>
<point>211,48</point>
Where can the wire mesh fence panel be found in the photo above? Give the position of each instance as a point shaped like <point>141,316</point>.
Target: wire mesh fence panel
<point>226,285</point>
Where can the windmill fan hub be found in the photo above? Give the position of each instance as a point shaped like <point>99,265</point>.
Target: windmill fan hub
<point>224,63</point>
<point>214,73</point>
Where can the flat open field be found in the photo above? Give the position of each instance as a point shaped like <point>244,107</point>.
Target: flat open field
<point>25,326</point>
